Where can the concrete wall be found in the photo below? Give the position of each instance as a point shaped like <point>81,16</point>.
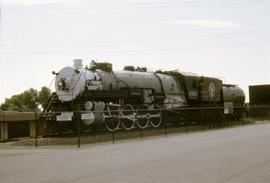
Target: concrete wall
<point>3,131</point>
<point>9,118</point>
<point>17,116</point>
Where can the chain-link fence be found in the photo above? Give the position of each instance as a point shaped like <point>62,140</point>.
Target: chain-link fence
<point>80,127</point>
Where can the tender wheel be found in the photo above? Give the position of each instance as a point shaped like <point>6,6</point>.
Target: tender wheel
<point>128,117</point>
<point>143,118</point>
<point>155,118</point>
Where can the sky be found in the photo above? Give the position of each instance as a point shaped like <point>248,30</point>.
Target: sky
<point>228,39</point>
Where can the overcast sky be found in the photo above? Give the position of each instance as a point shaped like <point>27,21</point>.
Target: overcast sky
<point>229,39</point>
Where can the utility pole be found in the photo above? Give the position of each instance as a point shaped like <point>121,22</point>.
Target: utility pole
<point>0,18</point>
<point>1,25</point>
<point>0,21</point>
<point>1,39</point>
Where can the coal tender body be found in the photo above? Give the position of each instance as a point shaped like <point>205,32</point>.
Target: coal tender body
<point>135,98</point>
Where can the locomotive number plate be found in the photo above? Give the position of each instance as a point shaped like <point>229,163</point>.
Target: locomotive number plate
<point>65,116</point>
<point>88,116</point>
<point>228,107</point>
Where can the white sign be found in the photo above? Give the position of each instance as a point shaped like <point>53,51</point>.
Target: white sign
<point>65,116</point>
<point>228,107</point>
<point>88,116</point>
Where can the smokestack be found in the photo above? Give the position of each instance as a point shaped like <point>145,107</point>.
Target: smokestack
<point>77,63</point>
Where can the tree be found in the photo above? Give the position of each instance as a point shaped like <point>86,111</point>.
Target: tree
<point>29,100</point>
<point>44,96</point>
<point>12,104</point>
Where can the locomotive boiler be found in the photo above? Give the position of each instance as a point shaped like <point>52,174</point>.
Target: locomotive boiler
<point>135,98</point>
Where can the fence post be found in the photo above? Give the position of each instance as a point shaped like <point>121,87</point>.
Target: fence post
<point>203,123</point>
<point>113,133</point>
<point>4,128</point>
<point>1,127</point>
<point>185,125</point>
<point>141,134</point>
<point>78,128</point>
<point>113,136</point>
<point>36,130</point>
<point>166,125</point>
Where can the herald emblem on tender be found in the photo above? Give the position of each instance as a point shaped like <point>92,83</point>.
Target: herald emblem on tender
<point>211,90</point>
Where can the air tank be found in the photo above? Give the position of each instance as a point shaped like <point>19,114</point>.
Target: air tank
<point>232,93</point>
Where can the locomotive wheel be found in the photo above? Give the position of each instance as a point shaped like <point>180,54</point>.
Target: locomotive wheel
<point>128,117</point>
<point>156,118</point>
<point>112,124</point>
<point>143,118</point>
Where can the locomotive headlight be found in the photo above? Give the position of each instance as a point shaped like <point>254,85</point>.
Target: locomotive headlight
<point>60,84</point>
<point>89,82</point>
<point>88,105</point>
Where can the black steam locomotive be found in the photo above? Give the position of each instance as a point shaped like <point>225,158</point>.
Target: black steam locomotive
<point>135,98</point>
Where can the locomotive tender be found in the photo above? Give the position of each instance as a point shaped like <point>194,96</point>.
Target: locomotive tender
<point>136,98</point>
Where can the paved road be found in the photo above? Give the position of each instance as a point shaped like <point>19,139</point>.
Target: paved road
<point>238,155</point>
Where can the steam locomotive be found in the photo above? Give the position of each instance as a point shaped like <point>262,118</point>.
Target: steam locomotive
<point>136,98</point>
